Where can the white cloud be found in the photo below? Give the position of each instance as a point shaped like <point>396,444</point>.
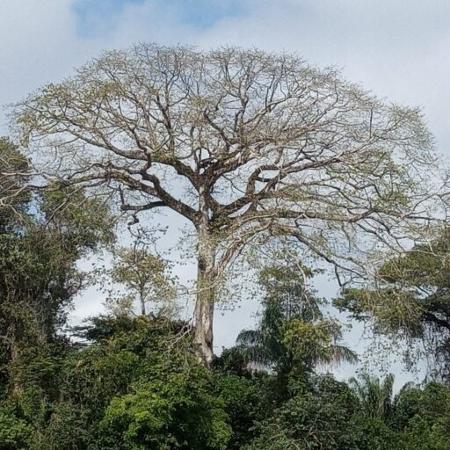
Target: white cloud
<point>37,38</point>
<point>397,49</point>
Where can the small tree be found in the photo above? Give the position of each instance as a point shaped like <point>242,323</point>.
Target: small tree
<point>376,395</point>
<point>241,144</point>
<point>146,278</point>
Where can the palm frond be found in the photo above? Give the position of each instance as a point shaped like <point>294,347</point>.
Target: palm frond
<point>375,395</point>
<point>341,353</point>
<point>249,337</point>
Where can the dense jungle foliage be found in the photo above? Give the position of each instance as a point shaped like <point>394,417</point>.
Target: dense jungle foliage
<point>139,385</point>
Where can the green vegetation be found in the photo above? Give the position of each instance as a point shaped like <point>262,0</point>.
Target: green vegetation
<point>139,385</point>
<point>411,301</point>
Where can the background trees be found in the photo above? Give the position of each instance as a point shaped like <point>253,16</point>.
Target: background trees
<point>14,172</point>
<point>411,299</point>
<point>42,236</point>
<point>240,144</point>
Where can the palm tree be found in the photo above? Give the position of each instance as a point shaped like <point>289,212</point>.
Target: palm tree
<point>288,301</point>
<point>375,395</point>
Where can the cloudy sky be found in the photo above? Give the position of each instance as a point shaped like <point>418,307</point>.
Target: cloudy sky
<point>398,49</point>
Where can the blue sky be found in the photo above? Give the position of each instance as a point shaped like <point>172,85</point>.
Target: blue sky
<point>97,17</point>
<point>94,17</point>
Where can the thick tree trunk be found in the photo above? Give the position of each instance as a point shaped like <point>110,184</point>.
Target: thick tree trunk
<point>204,316</point>
<point>206,280</point>
<point>142,303</point>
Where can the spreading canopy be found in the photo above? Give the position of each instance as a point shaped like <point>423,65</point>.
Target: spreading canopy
<point>242,144</point>
<point>262,141</point>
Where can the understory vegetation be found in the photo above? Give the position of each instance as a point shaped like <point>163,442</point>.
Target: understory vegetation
<point>139,385</point>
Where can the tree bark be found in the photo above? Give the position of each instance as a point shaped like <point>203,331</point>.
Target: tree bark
<point>204,316</point>
<point>142,303</point>
<point>206,287</point>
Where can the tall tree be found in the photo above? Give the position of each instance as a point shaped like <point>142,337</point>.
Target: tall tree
<point>241,144</point>
<point>42,236</point>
